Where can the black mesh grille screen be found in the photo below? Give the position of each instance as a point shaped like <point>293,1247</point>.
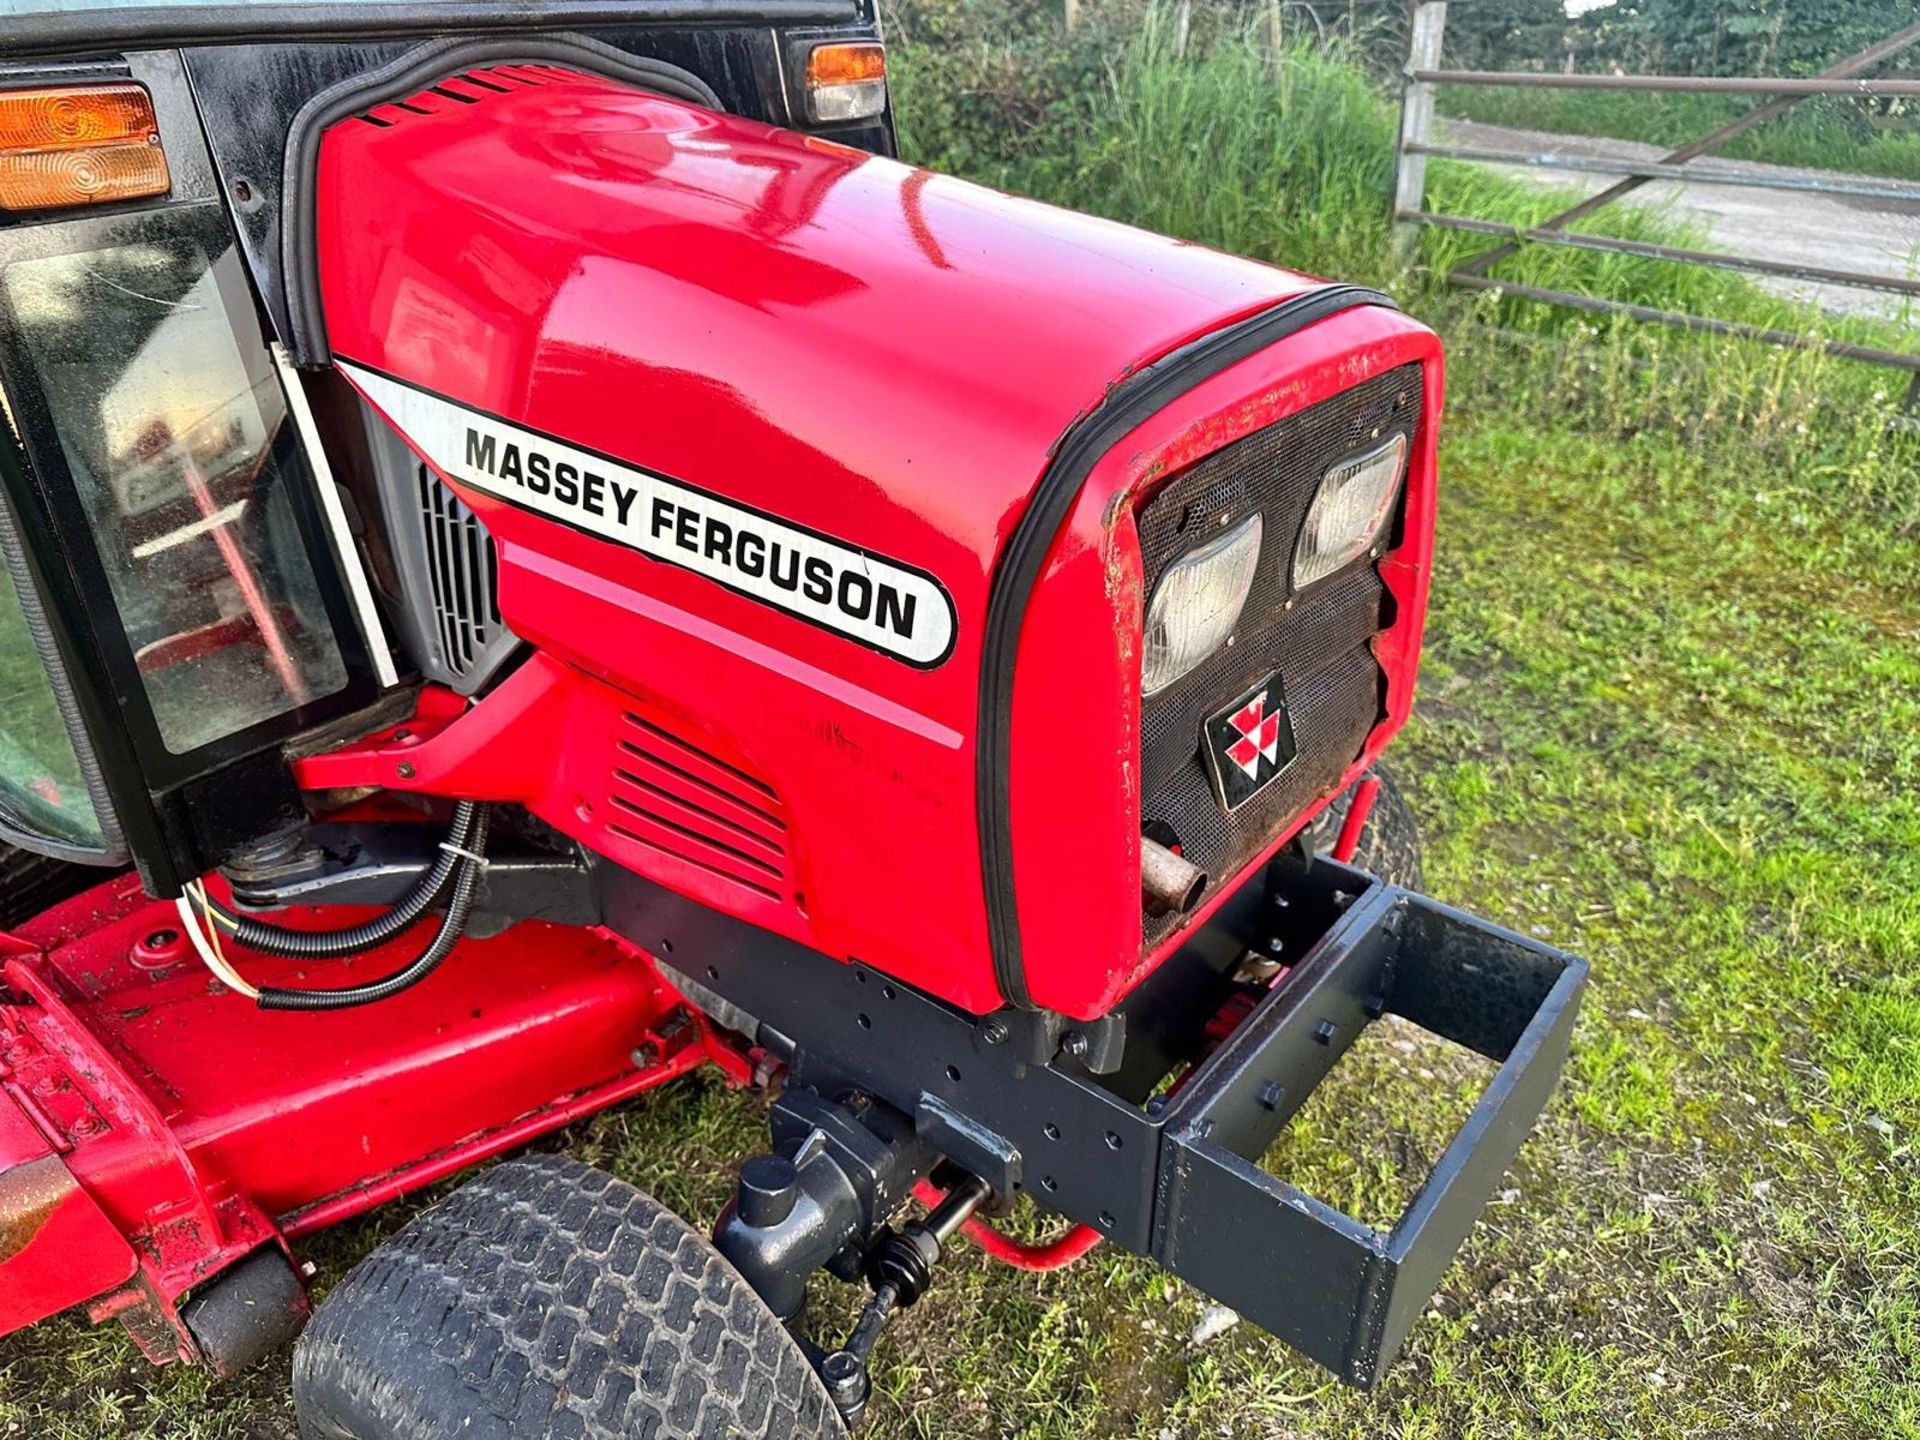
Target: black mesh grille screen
<point>1319,646</point>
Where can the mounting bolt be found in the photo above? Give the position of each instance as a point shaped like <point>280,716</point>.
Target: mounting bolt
<point>1376,1006</point>
<point>846,1380</point>
<point>1325,1031</point>
<point>1074,1043</point>
<point>995,1032</point>
<point>1271,1095</point>
<point>646,1054</point>
<point>1276,945</point>
<point>406,770</point>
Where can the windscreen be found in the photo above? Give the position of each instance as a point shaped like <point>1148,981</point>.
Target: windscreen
<point>42,791</point>
<point>173,427</point>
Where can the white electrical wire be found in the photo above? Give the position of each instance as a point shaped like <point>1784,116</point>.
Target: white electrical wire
<point>210,953</point>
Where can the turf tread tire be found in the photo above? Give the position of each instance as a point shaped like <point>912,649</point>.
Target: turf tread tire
<point>1390,840</point>
<point>31,883</point>
<point>547,1300</point>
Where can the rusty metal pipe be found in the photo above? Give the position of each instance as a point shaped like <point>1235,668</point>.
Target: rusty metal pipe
<point>1167,880</point>
<point>1788,339</point>
<point>1726,174</point>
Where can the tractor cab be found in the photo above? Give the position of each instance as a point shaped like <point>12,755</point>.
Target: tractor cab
<point>193,519</point>
<point>539,557</point>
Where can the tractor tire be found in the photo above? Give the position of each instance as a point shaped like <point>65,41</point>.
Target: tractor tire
<point>31,883</point>
<point>1390,840</point>
<point>546,1300</point>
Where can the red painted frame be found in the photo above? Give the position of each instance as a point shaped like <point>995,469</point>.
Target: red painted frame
<point>156,1127</point>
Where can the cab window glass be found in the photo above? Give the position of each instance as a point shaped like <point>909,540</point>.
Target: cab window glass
<point>41,788</point>
<point>174,428</point>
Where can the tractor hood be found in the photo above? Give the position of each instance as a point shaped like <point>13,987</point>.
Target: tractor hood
<point>753,420</point>
<point>841,345</point>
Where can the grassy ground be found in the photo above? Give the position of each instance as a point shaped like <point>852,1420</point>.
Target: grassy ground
<point>1681,742</point>
<point>1670,718</point>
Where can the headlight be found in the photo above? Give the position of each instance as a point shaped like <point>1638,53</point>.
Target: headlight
<point>1197,603</point>
<point>1348,511</point>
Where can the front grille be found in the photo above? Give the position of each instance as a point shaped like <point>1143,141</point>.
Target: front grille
<point>446,569</point>
<point>1318,640</point>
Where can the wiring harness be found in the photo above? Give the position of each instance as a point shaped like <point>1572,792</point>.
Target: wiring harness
<point>455,874</point>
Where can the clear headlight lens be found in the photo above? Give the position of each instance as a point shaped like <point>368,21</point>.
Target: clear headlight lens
<point>1348,512</point>
<point>1197,603</point>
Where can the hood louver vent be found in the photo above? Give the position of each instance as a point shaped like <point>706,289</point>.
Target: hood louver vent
<point>670,797</point>
<point>463,571</point>
<point>448,615</point>
<point>458,91</point>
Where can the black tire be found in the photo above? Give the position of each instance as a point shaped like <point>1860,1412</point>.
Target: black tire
<point>546,1300</point>
<point>30,883</point>
<point>1390,840</point>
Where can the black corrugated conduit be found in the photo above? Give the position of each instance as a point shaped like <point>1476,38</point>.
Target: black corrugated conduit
<point>465,852</point>
<point>358,939</point>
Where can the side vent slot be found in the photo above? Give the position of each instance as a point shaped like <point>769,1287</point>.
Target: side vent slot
<point>669,796</point>
<point>469,87</point>
<point>464,574</point>
<point>447,612</point>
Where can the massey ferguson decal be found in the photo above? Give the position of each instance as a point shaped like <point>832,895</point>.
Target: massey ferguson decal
<point>1249,743</point>
<point>878,602</point>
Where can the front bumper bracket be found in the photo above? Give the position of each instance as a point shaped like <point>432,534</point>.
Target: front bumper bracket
<point>1171,1173</point>
<point>1334,1288</point>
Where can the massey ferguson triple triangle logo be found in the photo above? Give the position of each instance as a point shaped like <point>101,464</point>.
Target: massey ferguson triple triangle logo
<point>1249,743</point>
<point>1259,739</point>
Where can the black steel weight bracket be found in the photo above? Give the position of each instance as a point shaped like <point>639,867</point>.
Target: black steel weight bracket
<point>1176,1177</point>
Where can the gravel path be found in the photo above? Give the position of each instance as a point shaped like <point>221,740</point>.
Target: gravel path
<point>1876,236</point>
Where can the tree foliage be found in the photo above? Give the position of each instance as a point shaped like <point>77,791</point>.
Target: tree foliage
<point>1733,37</point>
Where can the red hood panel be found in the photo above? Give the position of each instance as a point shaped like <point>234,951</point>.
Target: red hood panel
<point>724,320</point>
<point>837,339</point>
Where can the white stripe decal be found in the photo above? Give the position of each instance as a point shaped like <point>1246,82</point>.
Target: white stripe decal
<point>876,601</point>
<point>379,649</point>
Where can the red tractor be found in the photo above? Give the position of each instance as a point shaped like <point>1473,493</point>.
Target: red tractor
<point>541,560</point>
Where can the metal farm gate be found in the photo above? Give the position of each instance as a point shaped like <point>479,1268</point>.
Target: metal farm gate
<point>1845,77</point>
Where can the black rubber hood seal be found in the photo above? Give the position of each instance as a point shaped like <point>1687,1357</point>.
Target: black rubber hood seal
<point>1140,395</point>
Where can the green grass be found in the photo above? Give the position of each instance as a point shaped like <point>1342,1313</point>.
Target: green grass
<point>1679,743</point>
<point>1670,718</point>
<point>1826,133</point>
